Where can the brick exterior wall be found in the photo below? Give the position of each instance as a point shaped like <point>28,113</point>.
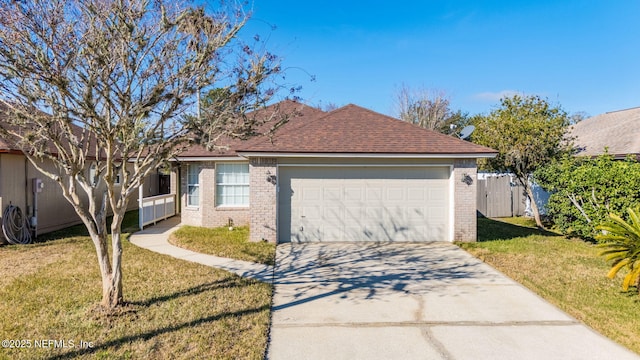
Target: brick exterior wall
<point>207,214</point>
<point>263,199</point>
<point>464,192</point>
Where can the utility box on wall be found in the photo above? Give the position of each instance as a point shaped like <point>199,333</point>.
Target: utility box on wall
<point>37,185</point>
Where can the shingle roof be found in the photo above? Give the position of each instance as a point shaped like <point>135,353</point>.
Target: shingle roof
<point>5,144</point>
<point>353,129</point>
<point>11,145</point>
<point>295,111</point>
<point>5,147</point>
<point>350,129</point>
<point>618,131</point>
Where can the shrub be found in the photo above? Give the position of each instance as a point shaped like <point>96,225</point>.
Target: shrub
<point>621,241</point>
<point>585,190</point>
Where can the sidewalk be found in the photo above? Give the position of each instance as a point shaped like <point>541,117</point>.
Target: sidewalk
<point>156,239</point>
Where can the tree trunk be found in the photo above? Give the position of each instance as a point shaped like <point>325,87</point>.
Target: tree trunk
<point>534,207</point>
<point>111,275</point>
<point>115,296</point>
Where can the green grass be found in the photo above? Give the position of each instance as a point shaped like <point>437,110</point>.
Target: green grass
<point>175,309</point>
<point>567,272</point>
<point>129,225</point>
<point>222,242</point>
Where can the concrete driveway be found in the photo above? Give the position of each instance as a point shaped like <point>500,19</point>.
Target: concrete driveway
<point>414,301</point>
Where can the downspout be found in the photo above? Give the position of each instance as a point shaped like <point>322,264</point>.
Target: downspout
<point>34,219</point>
<point>178,188</point>
<point>140,208</point>
<point>26,191</point>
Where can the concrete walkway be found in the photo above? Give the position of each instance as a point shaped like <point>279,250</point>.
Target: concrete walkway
<point>156,238</point>
<point>415,301</point>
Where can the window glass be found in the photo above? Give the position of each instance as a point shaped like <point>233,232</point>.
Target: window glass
<point>232,184</point>
<point>193,185</point>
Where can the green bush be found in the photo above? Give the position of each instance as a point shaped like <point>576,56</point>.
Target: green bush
<point>585,190</point>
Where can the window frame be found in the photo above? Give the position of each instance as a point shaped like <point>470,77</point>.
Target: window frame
<point>218,186</point>
<point>195,185</point>
<point>92,173</point>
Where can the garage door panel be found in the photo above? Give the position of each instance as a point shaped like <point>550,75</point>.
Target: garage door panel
<point>332,193</point>
<point>311,192</point>
<point>356,214</point>
<point>353,194</point>
<point>312,213</point>
<point>395,194</point>
<point>364,204</point>
<point>333,233</point>
<point>333,214</point>
<point>416,215</point>
<point>436,194</point>
<point>373,193</point>
<point>415,193</point>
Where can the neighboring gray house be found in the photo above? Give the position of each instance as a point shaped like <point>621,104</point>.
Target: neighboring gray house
<point>17,177</point>
<point>617,131</point>
<point>347,175</point>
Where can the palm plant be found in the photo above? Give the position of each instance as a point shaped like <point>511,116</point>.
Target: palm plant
<point>621,242</point>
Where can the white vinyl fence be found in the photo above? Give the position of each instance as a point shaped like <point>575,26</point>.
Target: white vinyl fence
<point>156,208</point>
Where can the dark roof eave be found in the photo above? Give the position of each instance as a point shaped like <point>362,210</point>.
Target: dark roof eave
<point>11,151</point>
<point>248,154</point>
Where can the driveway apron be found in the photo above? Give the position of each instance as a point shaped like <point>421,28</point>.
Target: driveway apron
<point>414,301</point>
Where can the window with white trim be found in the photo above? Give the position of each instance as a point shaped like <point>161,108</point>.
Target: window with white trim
<point>93,172</point>
<point>232,184</point>
<point>193,185</point>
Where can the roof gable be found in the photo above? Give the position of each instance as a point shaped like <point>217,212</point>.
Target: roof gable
<point>353,129</point>
<point>295,111</point>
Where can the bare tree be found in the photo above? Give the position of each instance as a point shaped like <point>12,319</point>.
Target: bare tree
<point>106,84</point>
<point>429,109</point>
<point>578,116</point>
<point>327,106</point>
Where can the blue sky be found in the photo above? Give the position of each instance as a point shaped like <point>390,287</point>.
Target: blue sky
<point>583,55</point>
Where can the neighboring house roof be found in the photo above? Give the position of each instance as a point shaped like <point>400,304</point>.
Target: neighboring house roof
<point>294,111</point>
<point>616,131</point>
<point>356,130</point>
<point>5,147</point>
<point>11,145</point>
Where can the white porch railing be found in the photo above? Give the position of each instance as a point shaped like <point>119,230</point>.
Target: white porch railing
<point>156,208</point>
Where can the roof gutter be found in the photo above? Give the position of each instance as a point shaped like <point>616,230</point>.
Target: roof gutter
<point>206,158</point>
<point>249,154</point>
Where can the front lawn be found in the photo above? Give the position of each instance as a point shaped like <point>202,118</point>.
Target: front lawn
<point>223,242</point>
<point>568,273</point>
<point>176,309</point>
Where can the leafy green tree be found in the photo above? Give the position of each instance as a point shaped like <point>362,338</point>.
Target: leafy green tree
<point>621,241</point>
<point>107,83</point>
<point>585,190</point>
<point>528,133</point>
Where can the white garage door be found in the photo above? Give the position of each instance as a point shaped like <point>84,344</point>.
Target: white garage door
<point>363,204</point>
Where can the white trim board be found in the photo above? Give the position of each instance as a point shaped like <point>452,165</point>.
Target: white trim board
<point>209,158</point>
<point>450,166</point>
